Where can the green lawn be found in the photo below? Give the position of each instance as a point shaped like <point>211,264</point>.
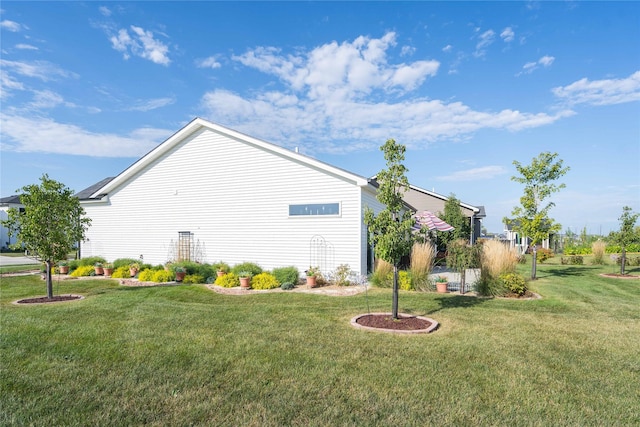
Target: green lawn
<point>187,356</point>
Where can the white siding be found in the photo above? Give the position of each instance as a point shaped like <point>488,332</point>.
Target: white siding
<point>234,197</point>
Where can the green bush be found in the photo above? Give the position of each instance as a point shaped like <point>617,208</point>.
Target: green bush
<point>124,262</point>
<point>489,286</point>
<point>264,281</point>
<point>286,274</point>
<point>221,266</point>
<point>616,249</point>
<point>91,261</point>
<point>251,267</point>
<point>287,286</point>
<point>82,271</point>
<point>146,275</point>
<point>631,260</point>
<point>573,260</point>
<point>193,279</point>
<point>514,283</point>
<point>121,273</point>
<point>229,280</point>
<point>544,254</point>
<point>162,276</point>
<point>404,281</point>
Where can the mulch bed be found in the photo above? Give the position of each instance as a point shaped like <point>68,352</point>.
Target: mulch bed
<point>619,276</point>
<point>386,321</point>
<point>45,300</point>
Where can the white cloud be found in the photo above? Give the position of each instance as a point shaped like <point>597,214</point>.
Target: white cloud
<point>601,92</point>
<point>141,43</point>
<point>210,62</point>
<point>24,46</point>
<point>151,104</point>
<point>39,134</point>
<point>530,67</point>
<point>486,39</point>
<point>507,35</point>
<point>407,51</point>
<point>42,70</point>
<point>12,26</point>
<point>476,174</point>
<point>447,48</point>
<point>105,11</point>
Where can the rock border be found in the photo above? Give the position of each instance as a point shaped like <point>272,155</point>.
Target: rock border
<point>618,276</point>
<point>434,324</point>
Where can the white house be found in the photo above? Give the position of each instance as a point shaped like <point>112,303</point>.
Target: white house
<point>5,204</point>
<point>209,193</point>
<point>515,240</point>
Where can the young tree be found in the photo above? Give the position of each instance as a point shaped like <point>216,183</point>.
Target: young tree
<point>51,224</point>
<point>390,230</point>
<point>453,216</point>
<point>626,235</point>
<point>531,219</point>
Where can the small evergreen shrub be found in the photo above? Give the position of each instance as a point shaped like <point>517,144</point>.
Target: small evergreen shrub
<point>264,281</point>
<point>121,273</point>
<point>192,279</point>
<point>251,267</point>
<point>514,283</point>
<point>162,276</point>
<point>229,280</point>
<point>91,261</point>
<point>286,274</point>
<point>544,254</point>
<point>287,286</point>
<point>576,260</point>
<point>83,271</point>
<point>124,262</point>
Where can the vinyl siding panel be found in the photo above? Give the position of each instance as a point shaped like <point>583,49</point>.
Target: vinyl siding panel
<point>234,197</point>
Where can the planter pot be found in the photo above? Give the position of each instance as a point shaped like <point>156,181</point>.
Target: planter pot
<point>99,271</point>
<point>63,269</point>
<point>311,281</point>
<point>442,287</point>
<point>108,271</point>
<point>244,282</point>
<point>220,273</point>
<point>133,272</point>
<point>180,276</point>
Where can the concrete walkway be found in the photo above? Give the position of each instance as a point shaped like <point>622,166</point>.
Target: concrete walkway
<point>12,260</point>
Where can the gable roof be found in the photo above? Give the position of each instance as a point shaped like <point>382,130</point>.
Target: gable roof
<point>87,192</point>
<point>11,200</point>
<point>478,211</point>
<point>198,124</point>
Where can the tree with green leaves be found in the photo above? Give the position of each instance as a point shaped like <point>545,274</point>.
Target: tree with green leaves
<point>390,229</point>
<point>626,235</point>
<point>531,218</point>
<point>453,216</point>
<point>51,224</point>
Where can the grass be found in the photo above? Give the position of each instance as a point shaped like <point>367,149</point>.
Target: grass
<point>187,356</point>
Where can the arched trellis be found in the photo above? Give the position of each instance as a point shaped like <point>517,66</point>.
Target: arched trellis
<point>321,254</point>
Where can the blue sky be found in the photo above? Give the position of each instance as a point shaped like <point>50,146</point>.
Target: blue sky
<point>468,87</point>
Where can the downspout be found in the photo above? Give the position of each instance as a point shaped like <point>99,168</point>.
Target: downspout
<point>473,230</point>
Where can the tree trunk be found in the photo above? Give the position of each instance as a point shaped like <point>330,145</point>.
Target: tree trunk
<point>534,261</point>
<point>394,308</point>
<point>623,260</point>
<point>49,280</point>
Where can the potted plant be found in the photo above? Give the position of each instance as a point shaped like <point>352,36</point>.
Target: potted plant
<point>133,269</point>
<point>108,269</point>
<point>222,269</point>
<point>441,284</point>
<point>312,274</point>
<point>99,270</point>
<point>245,279</point>
<point>180,273</point>
<point>63,267</point>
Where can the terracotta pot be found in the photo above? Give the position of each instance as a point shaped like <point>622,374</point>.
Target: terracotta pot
<point>442,287</point>
<point>63,269</point>
<point>220,273</point>
<point>108,271</point>
<point>180,276</point>
<point>133,272</point>
<point>244,282</point>
<point>311,281</point>
<point>99,271</point>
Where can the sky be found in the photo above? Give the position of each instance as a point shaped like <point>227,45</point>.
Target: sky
<point>89,87</point>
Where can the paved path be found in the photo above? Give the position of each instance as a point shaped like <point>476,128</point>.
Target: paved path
<point>20,260</point>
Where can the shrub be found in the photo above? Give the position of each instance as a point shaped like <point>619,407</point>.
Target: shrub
<point>91,261</point>
<point>85,270</point>
<point>121,272</point>
<point>287,286</point>
<point>286,274</point>
<point>341,275</point>
<point>264,281</point>
<point>498,258</point>
<point>404,281</point>
<point>193,279</point>
<point>251,267</point>
<point>573,260</point>
<point>422,258</point>
<point>381,274</point>
<point>597,248</point>
<point>544,254</point>
<point>146,275</point>
<point>630,260</point>
<point>514,283</point>
<point>229,280</point>
<point>221,266</point>
<point>124,262</point>
<point>162,276</point>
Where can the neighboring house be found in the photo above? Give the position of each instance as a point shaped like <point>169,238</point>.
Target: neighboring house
<point>209,193</point>
<point>515,240</point>
<point>425,200</point>
<point>5,204</point>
